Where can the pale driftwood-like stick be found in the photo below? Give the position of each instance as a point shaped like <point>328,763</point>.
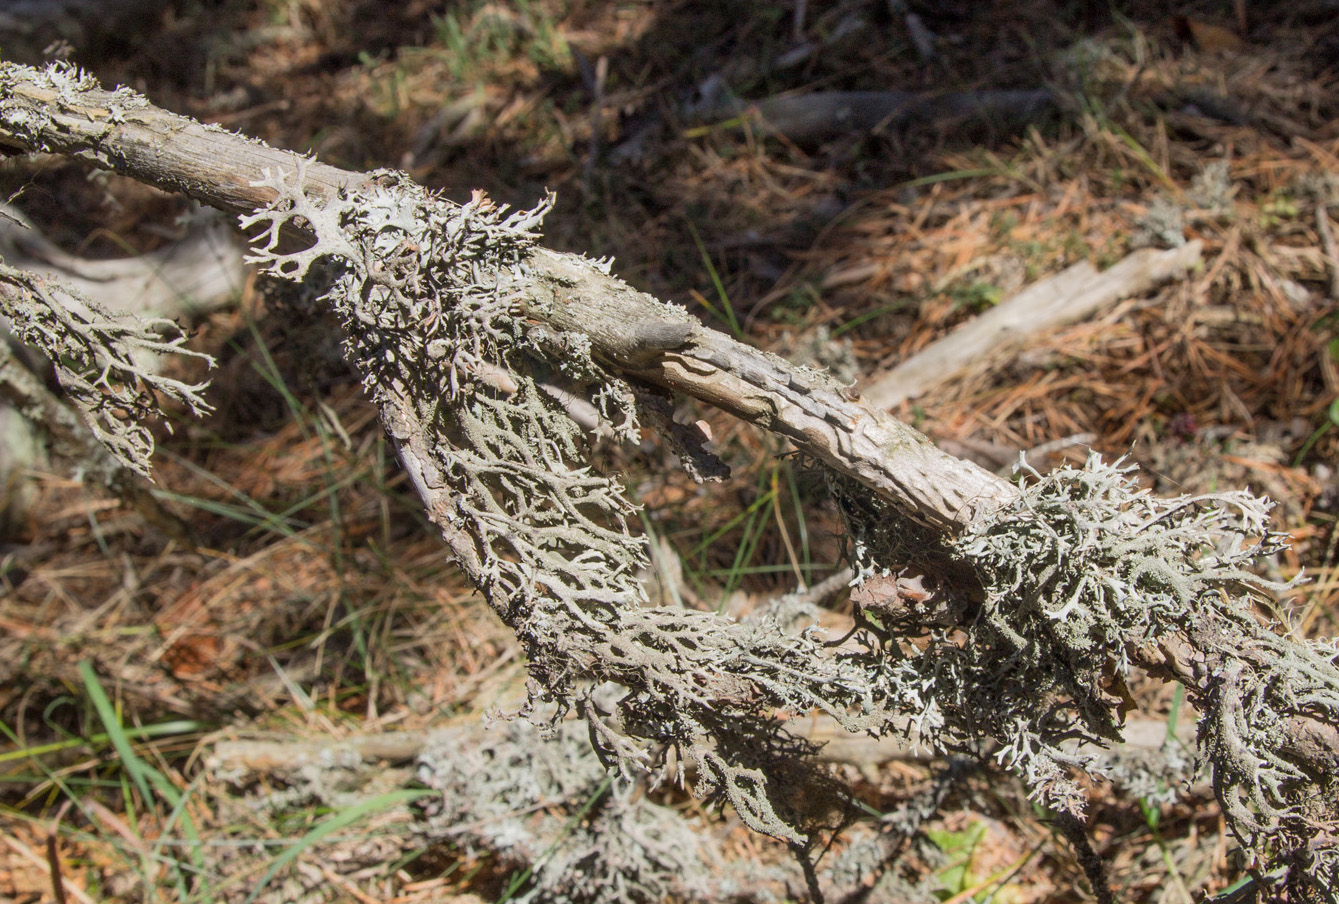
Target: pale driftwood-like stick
<point>287,755</point>
<point>1068,297</point>
<point>823,115</point>
<point>627,328</point>
<point>255,757</point>
<point>187,278</point>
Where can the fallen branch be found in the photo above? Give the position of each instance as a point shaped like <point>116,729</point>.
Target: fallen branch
<point>640,335</point>
<point>188,278</point>
<point>823,115</point>
<point>284,757</point>
<point>1068,297</point>
<point>1036,601</point>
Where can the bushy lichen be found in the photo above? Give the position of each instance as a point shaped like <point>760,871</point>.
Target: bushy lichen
<point>1161,226</point>
<point>547,805</point>
<point>107,363</point>
<point>1019,638</point>
<point>542,802</point>
<point>1053,596</point>
<point>427,290</point>
<point>1078,575</point>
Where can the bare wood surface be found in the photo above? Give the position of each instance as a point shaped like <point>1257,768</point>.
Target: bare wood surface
<point>286,755</point>
<point>1068,297</point>
<point>189,277</point>
<point>122,132</point>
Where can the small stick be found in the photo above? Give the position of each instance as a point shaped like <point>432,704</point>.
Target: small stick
<point>53,855</point>
<point>1067,297</point>
<point>596,118</point>
<point>1329,246</point>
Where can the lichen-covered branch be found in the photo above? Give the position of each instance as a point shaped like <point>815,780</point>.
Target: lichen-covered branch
<point>1040,598</point>
<point>60,110</point>
<point>104,360</point>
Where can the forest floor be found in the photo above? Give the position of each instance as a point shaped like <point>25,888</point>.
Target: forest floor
<point>318,604</point>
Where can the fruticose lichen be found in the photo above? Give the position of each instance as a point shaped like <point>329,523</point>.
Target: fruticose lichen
<point>1021,647</point>
<point>108,364</point>
<point>547,805</point>
<point>1070,580</point>
<point>428,293</point>
<point>1083,571</point>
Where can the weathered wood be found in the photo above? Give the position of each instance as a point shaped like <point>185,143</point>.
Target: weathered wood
<point>122,132</point>
<point>187,278</point>
<point>1068,297</point>
<point>287,755</point>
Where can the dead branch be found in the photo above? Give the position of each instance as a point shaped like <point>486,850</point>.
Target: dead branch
<point>287,755</point>
<point>824,115</point>
<point>1067,297</point>
<point>187,278</point>
<point>1080,577</point>
<point>628,329</point>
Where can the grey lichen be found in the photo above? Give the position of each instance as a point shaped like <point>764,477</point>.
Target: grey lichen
<point>68,80</point>
<point>28,119</point>
<point>107,363</point>
<point>1070,580</point>
<point>427,290</point>
<point>1213,190</point>
<point>546,805</point>
<point>1078,575</point>
<point>1161,226</point>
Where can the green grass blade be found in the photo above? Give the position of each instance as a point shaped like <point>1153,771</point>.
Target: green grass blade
<point>342,820</point>
<point>162,729</point>
<point>136,768</point>
<point>727,311</point>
